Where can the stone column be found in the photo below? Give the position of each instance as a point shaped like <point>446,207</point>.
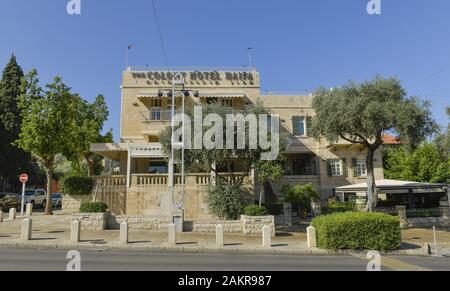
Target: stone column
<point>402,214</point>
<point>219,235</point>
<point>267,236</point>
<point>361,201</point>
<point>29,209</point>
<point>287,207</point>
<point>124,233</point>
<point>26,231</point>
<point>172,235</point>
<point>1,216</point>
<point>316,208</point>
<point>311,237</point>
<point>445,212</point>
<point>75,231</point>
<point>12,213</point>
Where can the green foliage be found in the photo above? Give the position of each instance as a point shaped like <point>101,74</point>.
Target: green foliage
<point>424,164</point>
<point>228,201</point>
<point>255,210</point>
<point>13,160</point>
<point>93,207</point>
<point>275,208</point>
<point>77,185</point>
<point>362,113</point>
<point>300,196</point>
<point>339,207</point>
<point>358,231</point>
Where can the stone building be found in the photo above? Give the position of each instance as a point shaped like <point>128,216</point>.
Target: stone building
<point>141,184</point>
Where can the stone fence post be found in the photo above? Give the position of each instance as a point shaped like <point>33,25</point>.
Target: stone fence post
<point>26,231</point>
<point>1,216</point>
<point>445,212</point>
<point>402,214</point>
<point>287,207</point>
<point>361,201</point>
<point>311,237</point>
<point>12,213</point>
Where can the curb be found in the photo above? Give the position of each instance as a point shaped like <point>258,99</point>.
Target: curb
<point>192,250</point>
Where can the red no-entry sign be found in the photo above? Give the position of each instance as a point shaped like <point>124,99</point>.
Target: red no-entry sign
<point>23,178</point>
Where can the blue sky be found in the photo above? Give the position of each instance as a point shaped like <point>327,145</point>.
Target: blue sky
<point>298,44</point>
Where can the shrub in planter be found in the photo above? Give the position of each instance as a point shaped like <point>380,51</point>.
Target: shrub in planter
<point>255,210</point>
<point>334,207</point>
<point>93,207</point>
<point>358,231</point>
<point>301,196</point>
<point>228,201</point>
<point>76,185</point>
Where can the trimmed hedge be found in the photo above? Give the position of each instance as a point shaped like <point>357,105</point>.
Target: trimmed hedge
<point>93,207</point>
<point>255,210</point>
<point>77,185</point>
<point>339,207</point>
<point>358,231</point>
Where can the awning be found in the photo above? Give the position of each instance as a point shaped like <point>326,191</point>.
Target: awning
<point>215,94</point>
<point>387,186</point>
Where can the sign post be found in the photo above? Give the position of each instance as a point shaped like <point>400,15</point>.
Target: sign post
<point>24,179</point>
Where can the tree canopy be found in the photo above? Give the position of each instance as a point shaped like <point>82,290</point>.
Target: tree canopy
<point>361,113</point>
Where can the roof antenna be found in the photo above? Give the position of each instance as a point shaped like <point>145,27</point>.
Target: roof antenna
<point>250,51</point>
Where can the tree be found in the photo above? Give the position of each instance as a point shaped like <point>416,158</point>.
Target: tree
<point>49,121</point>
<point>231,186</point>
<point>301,196</point>
<point>442,140</point>
<point>268,171</point>
<point>89,121</point>
<point>424,164</point>
<point>362,113</point>
<point>13,160</point>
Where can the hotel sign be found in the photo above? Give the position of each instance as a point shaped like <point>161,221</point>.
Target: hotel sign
<point>196,78</point>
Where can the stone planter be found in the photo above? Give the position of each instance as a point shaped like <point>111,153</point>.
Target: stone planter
<point>92,221</point>
<point>253,225</point>
<point>71,204</point>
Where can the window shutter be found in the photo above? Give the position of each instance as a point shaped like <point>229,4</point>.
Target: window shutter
<point>355,167</point>
<point>344,168</point>
<point>330,172</point>
<point>308,125</point>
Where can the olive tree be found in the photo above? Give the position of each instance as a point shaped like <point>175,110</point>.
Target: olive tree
<point>361,113</point>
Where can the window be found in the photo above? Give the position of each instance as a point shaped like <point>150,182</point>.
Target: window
<point>335,168</point>
<point>155,110</point>
<point>360,167</point>
<point>298,125</point>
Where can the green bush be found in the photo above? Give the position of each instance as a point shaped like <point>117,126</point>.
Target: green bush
<point>419,213</point>
<point>339,207</point>
<point>76,185</point>
<point>255,210</point>
<point>228,201</point>
<point>93,207</point>
<point>300,196</point>
<point>358,231</point>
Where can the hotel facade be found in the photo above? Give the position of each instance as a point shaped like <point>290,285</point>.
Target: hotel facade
<point>140,182</point>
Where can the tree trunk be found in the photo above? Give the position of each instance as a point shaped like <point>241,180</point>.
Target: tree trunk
<point>261,193</point>
<point>372,195</point>
<point>90,166</point>
<point>48,206</point>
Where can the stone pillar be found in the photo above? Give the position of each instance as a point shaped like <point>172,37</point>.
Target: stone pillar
<point>426,249</point>
<point>361,201</point>
<point>172,235</point>
<point>124,233</point>
<point>287,207</point>
<point>75,231</point>
<point>29,209</point>
<point>311,237</point>
<point>316,208</point>
<point>25,233</point>
<point>219,235</point>
<point>267,236</point>
<point>12,213</point>
<point>402,214</point>
<point>445,212</point>
<point>1,216</point>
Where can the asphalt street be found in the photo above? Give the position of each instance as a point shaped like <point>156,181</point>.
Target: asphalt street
<point>56,260</point>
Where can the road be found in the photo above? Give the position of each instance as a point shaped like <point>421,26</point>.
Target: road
<point>55,260</point>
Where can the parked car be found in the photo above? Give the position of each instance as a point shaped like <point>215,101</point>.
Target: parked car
<point>9,201</point>
<point>36,197</point>
<point>57,200</point>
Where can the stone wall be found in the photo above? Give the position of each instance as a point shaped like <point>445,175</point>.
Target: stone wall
<point>92,221</point>
<point>253,225</point>
<point>140,223</point>
<point>428,222</point>
<point>71,204</point>
<point>229,226</point>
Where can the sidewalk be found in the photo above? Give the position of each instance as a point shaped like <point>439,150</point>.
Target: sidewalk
<point>53,232</point>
